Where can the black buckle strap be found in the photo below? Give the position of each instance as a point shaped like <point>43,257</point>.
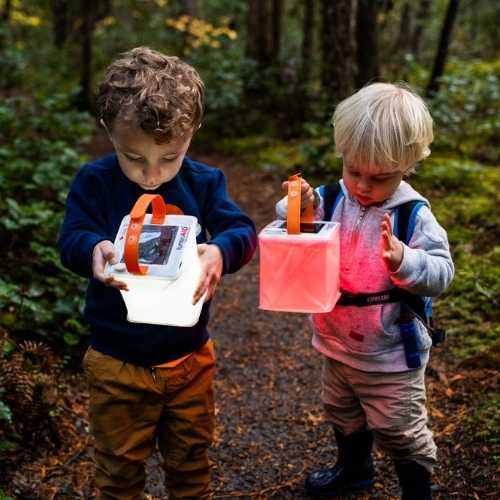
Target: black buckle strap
<point>370,299</point>
<point>415,307</point>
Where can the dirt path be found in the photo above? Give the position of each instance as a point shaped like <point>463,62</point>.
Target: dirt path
<point>270,425</point>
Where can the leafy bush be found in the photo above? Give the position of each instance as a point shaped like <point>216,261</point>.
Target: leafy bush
<point>38,298</point>
<point>13,60</point>
<point>466,110</point>
<point>314,156</point>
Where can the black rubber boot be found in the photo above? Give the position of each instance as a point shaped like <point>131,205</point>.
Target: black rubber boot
<point>415,481</point>
<point>353,471</point>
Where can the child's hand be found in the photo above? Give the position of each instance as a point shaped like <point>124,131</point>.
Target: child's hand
<point>104,252</point>
<point>307,193</point>
<point>392,248</point>
<point>211,271</point>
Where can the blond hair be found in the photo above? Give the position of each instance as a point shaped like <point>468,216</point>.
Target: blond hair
<point>161,94</point>
<point>383,126</point>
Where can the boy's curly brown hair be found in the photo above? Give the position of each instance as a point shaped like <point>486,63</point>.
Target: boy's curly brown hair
<point>161,94</point>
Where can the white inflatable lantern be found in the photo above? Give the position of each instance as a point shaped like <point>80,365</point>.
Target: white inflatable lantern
<point>158,260</point>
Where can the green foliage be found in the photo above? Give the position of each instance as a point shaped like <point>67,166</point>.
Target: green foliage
<point>7,435</point>
<point>314,157</point>
<point>226,73</point>
<point>465,196</point>
<point>38,156</point>
<point>471,309</point>
<point>484,423</point>
<point>5,413</point>
<point>466,110</point>
<point>3,496</point>
<point>13,61</point>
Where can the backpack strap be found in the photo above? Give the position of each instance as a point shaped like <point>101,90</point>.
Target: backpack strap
<point>404,219</point>
<point>332,194</point>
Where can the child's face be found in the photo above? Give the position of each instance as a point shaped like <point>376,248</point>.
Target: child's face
<point>142,160</point>
<point>370,187</point>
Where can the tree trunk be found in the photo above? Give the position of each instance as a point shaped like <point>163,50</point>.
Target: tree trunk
<point>405,27</point>
<point>276,20</point>
<point>6,11</point>
<point>307,42</point>
<point>254,29</point>
<point>102,9</point>
<point>367,42</point>
<point>264,30</point>
<point>442,51</point>
<point>88,16</point>
<point>421,21</point>
<point>338,48</point>
<point>60,22</point>
<point>191,7</point>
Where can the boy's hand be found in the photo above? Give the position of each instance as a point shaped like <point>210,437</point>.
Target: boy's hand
<point>211,271</point>
<point>104,252</point>
<point>392,248</point>
<point>307,193</point>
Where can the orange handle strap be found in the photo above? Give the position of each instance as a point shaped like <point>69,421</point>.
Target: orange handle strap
<point>294,218</point>
<point>160,210</point>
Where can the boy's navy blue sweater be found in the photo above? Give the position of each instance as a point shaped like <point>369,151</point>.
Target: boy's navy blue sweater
<point>99,198</point>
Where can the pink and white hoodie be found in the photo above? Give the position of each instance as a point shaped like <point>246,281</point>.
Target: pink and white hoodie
<point>368,338</point>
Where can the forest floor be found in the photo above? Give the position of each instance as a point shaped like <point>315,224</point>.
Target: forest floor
<point>270,425</point>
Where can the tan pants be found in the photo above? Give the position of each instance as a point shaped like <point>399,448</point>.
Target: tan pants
<point>133,408</point>
<point>392,405</point>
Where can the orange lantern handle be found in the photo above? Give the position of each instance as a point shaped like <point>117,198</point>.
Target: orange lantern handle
<point>160,210</point>
<point>294,217</point>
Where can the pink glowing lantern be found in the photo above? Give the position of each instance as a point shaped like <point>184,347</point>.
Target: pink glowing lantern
<point>299,260</point>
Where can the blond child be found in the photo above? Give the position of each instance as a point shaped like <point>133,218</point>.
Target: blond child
<point>369,388</point>
<point>150,385</point>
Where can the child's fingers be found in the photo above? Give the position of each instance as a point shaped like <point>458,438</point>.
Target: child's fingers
<point>208,285</point>
<point>387,245</point>
<point>385,240</point>
<point>307,192</point>
<point>304,186</point>
<point>201,288</point>
<point>109,280</point>
<point>107,250</point>
<point>211,271</point>
<point>387,223</point>
<point>104,252</point>
<point>114,283</point>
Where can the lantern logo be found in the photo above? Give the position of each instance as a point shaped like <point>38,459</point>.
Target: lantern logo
<point>182,237</point>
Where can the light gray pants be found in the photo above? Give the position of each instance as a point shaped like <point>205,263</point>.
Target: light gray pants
<point>392,405</point>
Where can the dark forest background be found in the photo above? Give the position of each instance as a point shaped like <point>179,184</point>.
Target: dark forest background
<point>274,71</point>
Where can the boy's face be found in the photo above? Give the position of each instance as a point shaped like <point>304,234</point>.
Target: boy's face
<point>142,160</point>
<point>370,187</point>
